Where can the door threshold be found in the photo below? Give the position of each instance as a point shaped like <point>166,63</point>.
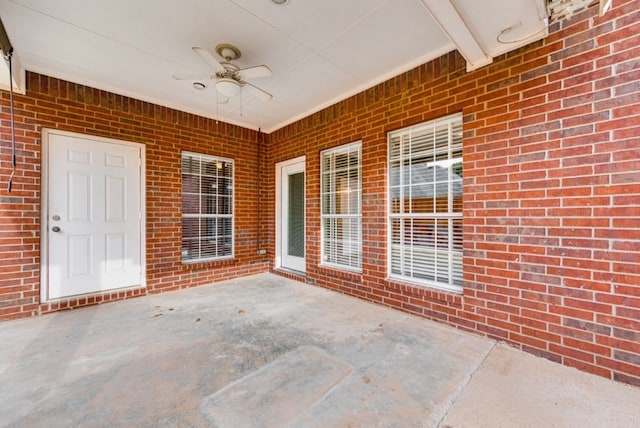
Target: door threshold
<point>91,299</point>
<point>291,274</point>
<point>114,294</point>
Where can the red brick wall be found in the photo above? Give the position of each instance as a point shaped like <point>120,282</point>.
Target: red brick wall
<point>52,103</point>
<point>551,188</point>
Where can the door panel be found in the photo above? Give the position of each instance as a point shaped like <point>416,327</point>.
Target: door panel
<point>79,255</point>
<point>79,194</point>
<point>93,219</point>
<point>115,199</point>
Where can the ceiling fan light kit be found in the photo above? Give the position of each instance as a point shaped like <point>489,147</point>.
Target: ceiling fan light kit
<point>228,87</point>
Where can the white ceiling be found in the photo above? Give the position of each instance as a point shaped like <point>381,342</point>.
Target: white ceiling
<point>320,51</point>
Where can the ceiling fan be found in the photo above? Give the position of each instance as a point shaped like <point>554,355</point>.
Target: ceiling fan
<point>230,79</point>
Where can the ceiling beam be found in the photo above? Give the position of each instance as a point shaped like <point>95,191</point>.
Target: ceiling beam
<point>18,74</point>
<point>12,74</point>
<point>446,15</point>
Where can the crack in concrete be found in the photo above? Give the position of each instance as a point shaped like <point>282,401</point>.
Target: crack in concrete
<point>465,382</point>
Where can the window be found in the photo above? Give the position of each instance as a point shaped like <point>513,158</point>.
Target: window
<point>340,192</point>
<point>425,203</point>
<point>207,208</point>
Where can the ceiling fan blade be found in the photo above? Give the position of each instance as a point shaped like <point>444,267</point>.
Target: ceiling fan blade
<point>193,76</point>
<point>259,93</point>
<point>256,71</point>
<point>205,55</point>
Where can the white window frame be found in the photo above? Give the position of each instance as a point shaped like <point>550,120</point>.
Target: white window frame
<point>343,253</point>
<point>422,254</point>
<point>200,215</point>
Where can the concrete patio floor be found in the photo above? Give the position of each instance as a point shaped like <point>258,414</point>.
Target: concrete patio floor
<point>265,351</point>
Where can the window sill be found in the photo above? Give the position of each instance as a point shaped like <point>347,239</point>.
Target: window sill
<point>204,264</point>
<point>429,286</point>
<point>347,269</point>
<point>335,271</point>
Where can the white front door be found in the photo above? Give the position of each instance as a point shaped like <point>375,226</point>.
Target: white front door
<point>292,215</point>
<point>92,215</point>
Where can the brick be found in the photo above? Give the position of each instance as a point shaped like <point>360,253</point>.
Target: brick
<point>628,346</point>
<point>627,357</point>
<point>587,346</point>
<point>572,353</point>
<point>586,367</point>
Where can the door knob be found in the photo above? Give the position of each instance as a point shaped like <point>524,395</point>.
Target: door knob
<point>55,229</point>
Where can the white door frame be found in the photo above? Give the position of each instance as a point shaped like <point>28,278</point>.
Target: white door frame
<point>279,214</point>
<point>44,206</point>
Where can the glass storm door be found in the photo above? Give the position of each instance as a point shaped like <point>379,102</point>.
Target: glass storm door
<point>292,194</point>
